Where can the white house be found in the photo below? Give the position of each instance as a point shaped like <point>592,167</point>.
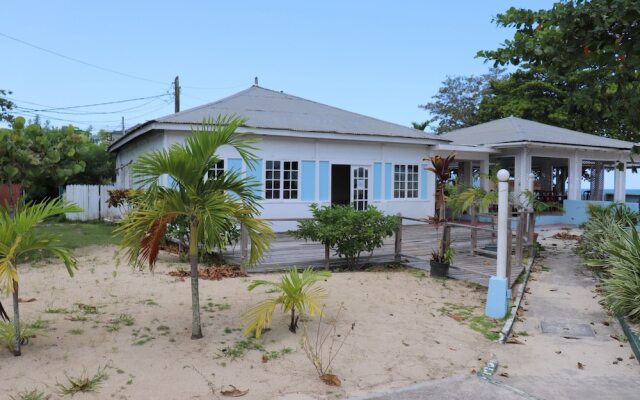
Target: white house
<point>314,153</point>
<point>308,153</point>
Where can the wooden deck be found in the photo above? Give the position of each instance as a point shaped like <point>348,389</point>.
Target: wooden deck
<point>417,243</point>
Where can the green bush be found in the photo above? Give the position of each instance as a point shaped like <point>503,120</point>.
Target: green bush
<point>348,231</point>
<point>603,226</point>
<point>621,285</point>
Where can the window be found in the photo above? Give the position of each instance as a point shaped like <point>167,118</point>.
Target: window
<point>217,170</point>
<point>405,181</point>
<point>281,180</point>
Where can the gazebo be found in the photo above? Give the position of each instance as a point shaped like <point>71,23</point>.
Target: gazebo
<point>560,160</point>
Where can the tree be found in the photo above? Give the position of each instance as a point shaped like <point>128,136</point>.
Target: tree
<point>457,101</point>
<point>588,51</point>
<point>20,238</point>
<point>5,106</point>
<point>212,206</point>
<point>99,163</point>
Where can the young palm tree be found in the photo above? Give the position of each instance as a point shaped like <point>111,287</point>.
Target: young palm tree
<point>297,293</point>
<point>212,206</point>
<point>18,239</point>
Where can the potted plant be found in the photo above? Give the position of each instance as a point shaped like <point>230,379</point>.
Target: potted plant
<point>441,257</point>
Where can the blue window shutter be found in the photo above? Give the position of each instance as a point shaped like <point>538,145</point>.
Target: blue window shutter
<point>234,164</point>
<point>308,181</point>
<point>377,181</point>
<point>254,171</point>
<point>388,181</point>
<point>424,182</point>
<point>325,169</point>
<point>170,181</point>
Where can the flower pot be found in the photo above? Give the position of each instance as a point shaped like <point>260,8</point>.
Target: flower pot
<point>438,269</point>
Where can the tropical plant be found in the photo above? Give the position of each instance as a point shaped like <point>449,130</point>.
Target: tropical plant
<point>19,237</point>
<point>441,168</point>
<point>621,285</point>
<point>347,230</point>
<point>296,293</point>
<point>27,331</point>
<point>605,224</point>
<point>210,205</point>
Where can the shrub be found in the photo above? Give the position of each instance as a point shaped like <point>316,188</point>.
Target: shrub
<point>348,231</point>
<point>27,331</point>
<point>604,225</point>
<point>123,197</point>
<point>621,286</point>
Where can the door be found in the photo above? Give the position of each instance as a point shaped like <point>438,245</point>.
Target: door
<point>360,187</point>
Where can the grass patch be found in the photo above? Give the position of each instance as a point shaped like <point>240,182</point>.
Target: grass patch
<point>81,234</point>
<point>488,327</point>
<point>121,320</point>
<point>241,347</point>
<point>30,395</point>
<point>213,307</point>
<point>76,331</point>
<point>57,310</point>
<point>274,355</point>
<point>83,383</point>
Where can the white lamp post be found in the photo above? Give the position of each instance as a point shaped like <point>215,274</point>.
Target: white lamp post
<point>497,297</point>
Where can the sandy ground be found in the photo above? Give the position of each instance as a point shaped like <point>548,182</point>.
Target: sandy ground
<point>400,335</point>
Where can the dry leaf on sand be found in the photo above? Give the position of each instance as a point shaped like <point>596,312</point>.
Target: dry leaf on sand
<point>233,392</point>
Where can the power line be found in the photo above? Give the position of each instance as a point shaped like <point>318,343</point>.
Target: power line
<point>124,110</point>
<point>113,71</point>
<point>94,104</point>
<point>55,53</point>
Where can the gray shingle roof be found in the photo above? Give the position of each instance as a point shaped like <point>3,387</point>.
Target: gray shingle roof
<point>514,130</point>
<point>270,109</point>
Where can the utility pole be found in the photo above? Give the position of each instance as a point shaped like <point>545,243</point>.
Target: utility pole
<point>122,126</point>
<point>176,93</point>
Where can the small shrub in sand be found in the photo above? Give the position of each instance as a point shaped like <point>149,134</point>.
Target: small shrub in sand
<point>83,383</point>
<point>27,331</point>
<point>30,395</point>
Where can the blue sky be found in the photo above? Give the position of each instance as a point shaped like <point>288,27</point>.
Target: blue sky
<point>378,58</point>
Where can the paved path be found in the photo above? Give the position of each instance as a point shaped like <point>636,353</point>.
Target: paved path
<point>564,326</point>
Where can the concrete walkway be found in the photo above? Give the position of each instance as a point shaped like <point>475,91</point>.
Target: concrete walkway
<point>569,349</point>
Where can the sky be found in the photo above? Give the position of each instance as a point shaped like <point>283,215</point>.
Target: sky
<point>378,58</point>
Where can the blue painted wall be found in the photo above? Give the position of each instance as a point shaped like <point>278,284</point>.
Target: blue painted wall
<point>234,164</point>
<point>325,174</point>
<point>377,181</point>
<point>388,181</point>
<point>424,182</point>
<point>308,181</point>
<point>575,211</point>
<point>254,170</point>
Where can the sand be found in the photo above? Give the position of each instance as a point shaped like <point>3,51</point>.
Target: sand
<point>400,336</point>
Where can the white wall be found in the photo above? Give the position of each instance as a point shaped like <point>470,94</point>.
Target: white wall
<point>336,152</point>
<point>130,152</point>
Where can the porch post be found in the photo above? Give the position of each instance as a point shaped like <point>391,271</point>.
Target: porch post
<point>484,171</point>
<point>497,300</point>
<point>619,188</point>
<point>522,169</point>
<point>575,177</point>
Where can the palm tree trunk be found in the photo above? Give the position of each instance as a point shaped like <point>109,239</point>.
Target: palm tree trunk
<point>196,327</point>
<point>16,320</point>
<point>293,326</point>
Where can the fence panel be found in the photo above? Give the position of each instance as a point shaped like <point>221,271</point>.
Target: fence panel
<point>93,200</point>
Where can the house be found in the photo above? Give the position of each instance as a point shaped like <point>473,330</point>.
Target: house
<point>314,153</point>
<point>308,153</point>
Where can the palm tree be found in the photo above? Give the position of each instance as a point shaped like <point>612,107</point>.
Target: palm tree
<point>18,239</point>
<point>211,206</point>
<point>297,293</point>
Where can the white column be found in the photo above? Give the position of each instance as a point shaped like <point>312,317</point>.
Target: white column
<point>619,188</point>
<point>521,171</point>
<point>575,177</point>
<point>484,171</point>
<point>503,221</point>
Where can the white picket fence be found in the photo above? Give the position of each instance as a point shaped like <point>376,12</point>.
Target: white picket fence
<point>93,200</point>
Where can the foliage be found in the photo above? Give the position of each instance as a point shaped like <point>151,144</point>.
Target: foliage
<point>605,224</point>
<point>83,383</point>
<point>211,206</point>
<point>441,168</point>
<point>241,347</point>
<point>621,286</point>
<point>322,349</point>
<point>27,331</point>
<point>346,230</point>
<point>179,229</point>
<point>457,102</point>
<point>119,198</point>
<point>296,293</point>
<point>5,106</point>
<point>583,57</point>
<point>34,394</point>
